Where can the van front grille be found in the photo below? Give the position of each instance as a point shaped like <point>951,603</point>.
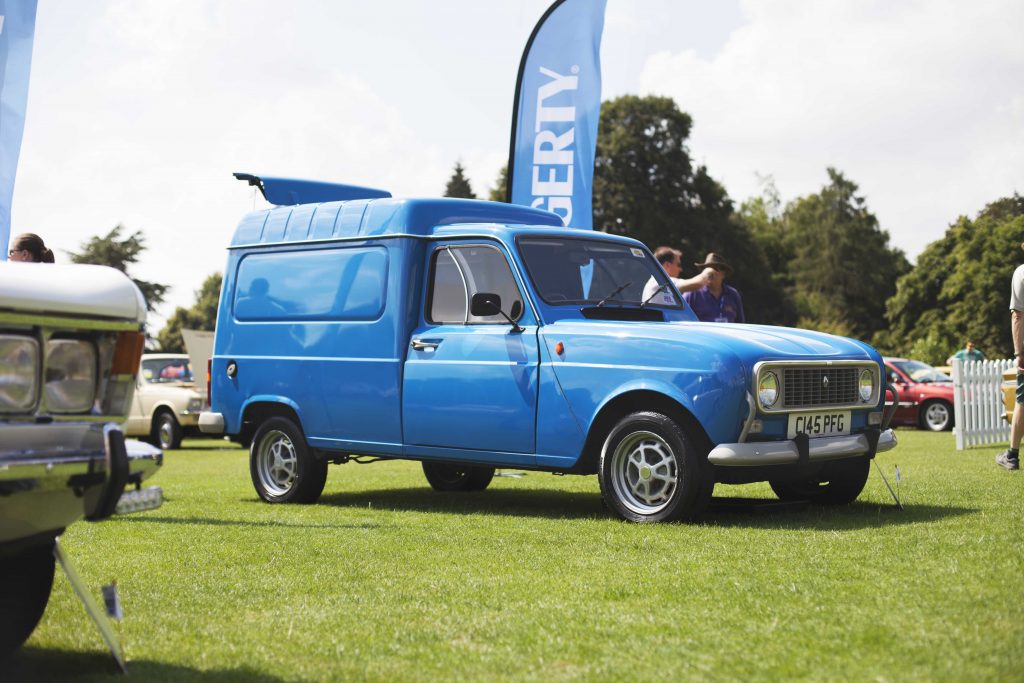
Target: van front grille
<point>816,387</point>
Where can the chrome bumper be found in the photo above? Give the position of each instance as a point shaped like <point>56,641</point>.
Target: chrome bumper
<point>53,474</point>
<point>211,423</point>
<point>48,454</point>
<point>755,453</point>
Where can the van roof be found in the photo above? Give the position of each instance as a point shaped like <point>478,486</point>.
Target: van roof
<point>378,217</point>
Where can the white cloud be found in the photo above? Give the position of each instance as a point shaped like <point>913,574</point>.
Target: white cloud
<point>917,102</point>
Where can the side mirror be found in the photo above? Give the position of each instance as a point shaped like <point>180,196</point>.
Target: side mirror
<point>485,304</point>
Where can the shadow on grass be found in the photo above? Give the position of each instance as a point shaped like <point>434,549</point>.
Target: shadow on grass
<point>772,514</point>
<point>511,502</point>
<point>213,521</point>
<point>38,664</point>
<point>724,512</point>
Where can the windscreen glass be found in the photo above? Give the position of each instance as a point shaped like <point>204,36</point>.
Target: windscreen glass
<point>921,372</point>
<point>589,272</point>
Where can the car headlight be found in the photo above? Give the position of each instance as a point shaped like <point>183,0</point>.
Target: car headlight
<point>19,365</point>
<point>867,385</point>
<point>70,375</point>
<point>768,389</point>
<point>195,405</point>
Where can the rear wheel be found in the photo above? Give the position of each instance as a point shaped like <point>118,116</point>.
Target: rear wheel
<point>166,433</point>
<point>444,476</point>
<point>25,582</point>
<point>838,483</point>
<point>651,472</point>
<point>937,416</point>
<point>282,468</point>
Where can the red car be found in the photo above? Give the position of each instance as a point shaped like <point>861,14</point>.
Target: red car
<point>926,395</point>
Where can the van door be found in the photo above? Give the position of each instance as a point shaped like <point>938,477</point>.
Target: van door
<point>470,383</point>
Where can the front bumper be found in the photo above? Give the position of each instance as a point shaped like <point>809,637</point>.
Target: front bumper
<point>53,474</point>
<point>756,453</point>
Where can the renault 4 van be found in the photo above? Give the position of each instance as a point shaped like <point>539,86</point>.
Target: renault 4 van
<point>471,335</point>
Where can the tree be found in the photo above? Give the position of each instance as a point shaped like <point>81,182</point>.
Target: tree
<point>959,288</point>
<point>841,266</point>
<point>202,316</point>
<point>458,184</point>
<point>111,250</point>
<point>499,193</point>
<point>646,186</point>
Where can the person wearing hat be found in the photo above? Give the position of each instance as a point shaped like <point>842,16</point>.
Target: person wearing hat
<point>716,302</point>
<point>1010,458</point>
<point>671,261</point>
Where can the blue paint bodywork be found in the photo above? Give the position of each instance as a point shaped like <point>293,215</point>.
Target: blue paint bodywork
<point>342,360</point>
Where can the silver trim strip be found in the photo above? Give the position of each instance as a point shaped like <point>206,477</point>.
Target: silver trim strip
<point>752,408</point>
<point>757,453</point>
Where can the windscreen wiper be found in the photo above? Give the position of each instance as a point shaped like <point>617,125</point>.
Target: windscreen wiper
<point>603,301</point>
<point>654,294</point>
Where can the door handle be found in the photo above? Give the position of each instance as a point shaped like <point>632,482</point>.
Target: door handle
<point>425,344</point>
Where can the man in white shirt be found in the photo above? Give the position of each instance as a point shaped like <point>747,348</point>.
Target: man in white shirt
<point>1010,458</point>
<point>671,261</point>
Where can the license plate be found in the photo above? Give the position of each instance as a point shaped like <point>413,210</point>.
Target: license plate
<point>819,424</point>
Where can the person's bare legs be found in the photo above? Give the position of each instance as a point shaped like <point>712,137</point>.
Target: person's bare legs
<point>1017,430</point>
<point>1010,459</point>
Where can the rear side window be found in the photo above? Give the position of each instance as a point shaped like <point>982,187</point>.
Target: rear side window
<point>326,284</point>
<point>458,273</point>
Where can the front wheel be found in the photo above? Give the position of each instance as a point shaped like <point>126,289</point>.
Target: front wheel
<point>166,433</point>
<point>444,476</point>
<point>937,416</point>
<point>651,472</point>
<point>281,466</point>
<point>25,583</point>
<point>838,483</point>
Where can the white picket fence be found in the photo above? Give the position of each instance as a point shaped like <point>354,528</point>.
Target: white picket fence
<point>978,402</point>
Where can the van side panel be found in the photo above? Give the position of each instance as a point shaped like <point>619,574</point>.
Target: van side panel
<point>321,326</point>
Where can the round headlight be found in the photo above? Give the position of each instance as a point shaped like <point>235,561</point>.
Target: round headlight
<point>867,385</point>
<point>768,389</point>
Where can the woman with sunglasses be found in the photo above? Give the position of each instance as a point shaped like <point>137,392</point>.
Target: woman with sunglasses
<point>29,247</point>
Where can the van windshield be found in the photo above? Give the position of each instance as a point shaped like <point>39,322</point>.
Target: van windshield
<point>586,271</point>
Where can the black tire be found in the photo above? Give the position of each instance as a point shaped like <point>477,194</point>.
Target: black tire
<point>445,476</point>
<point>650,471</point>
<point>838,483</point>
<point>936,415</point>
<point>166,433</point>
<point>282,468</point>
<point>25,582</point>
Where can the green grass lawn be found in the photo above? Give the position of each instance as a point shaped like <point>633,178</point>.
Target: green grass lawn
<point>385,579</point>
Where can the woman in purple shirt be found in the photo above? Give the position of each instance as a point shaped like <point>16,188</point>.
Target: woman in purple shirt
<point>716,302</point>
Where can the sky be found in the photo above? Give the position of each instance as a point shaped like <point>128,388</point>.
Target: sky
<point>139,111</point>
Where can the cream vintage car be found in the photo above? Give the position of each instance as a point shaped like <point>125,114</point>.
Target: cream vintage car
<point>167,404</point>
<point>70,341</point>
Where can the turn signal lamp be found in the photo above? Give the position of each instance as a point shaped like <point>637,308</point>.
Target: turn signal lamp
<point>559,348</point>
<point>128,353</point>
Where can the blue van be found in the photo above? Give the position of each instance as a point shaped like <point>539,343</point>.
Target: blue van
<point>472,335</point>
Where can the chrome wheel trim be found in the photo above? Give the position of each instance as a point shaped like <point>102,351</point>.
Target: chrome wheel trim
<point>644,473</point>
<point>276,463</point>
<point>936,416</point>
<point>165,432</point>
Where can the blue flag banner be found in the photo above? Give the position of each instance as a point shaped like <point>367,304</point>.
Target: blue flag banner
<point>557,107</point>
<point>17,26</point>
